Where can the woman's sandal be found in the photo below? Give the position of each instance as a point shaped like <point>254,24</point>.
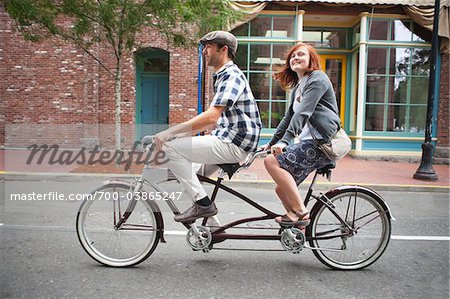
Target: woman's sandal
<point>302,220</point>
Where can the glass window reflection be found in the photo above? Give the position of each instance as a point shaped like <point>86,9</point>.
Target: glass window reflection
<point>378,29</point>
<point>375,89</point>
<point>283,27</point>
<point>260,57</point>
<point>417,119</point>
<point>260,84</point>
<point>241,56</point>
<point>419,90</point>
<point>376,61</point>
<point>335,39</point>
<point>261,26</point>
<point>401,31</point>
<point>396,120</point>
<point>278,110</point>
<point>264,108</point>
<point>374,117</point>
<point>398,88</point>
<point>420,61</point>
<point>400,61</point>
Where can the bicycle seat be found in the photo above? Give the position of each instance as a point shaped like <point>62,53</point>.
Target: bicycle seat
<point>230,168</point>
<point>327,168</point>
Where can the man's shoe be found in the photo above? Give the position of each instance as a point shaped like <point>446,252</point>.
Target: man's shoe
<point>195,212</point>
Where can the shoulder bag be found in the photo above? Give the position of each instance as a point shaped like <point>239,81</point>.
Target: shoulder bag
<point>338,146</point>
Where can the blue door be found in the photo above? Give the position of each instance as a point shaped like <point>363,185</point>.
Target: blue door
<point>152,91</point>
<point>154,104</point>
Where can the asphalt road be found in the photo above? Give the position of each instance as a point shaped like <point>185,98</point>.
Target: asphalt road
<point>41,256</point>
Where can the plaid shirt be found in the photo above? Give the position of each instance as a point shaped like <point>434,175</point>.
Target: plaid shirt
<point>239,123</point>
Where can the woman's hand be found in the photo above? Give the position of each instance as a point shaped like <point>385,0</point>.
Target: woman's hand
<point>265,147</point>
<point>277,149</point>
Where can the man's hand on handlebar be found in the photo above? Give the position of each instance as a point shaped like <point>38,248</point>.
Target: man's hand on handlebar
<point>161,138</point>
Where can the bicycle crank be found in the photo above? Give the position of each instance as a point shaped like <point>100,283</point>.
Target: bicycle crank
<point>199,237</point>
<point>293,240</point>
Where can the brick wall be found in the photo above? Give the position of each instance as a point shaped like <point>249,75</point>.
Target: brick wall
<point>53,82</point>
<point>443,116</point>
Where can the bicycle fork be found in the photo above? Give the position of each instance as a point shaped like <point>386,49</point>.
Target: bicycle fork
<point>129,209</point>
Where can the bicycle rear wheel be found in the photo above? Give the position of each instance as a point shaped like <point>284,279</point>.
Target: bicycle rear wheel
<point>96,223</point>
<point>335,245</point>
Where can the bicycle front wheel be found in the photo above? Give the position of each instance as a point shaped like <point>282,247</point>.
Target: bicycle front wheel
<point>355,245</point>
<point>97,230</point>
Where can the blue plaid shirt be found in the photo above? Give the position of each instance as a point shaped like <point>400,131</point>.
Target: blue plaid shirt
<point>239,123</point>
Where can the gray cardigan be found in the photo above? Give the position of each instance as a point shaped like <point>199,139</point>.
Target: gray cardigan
<point>318,105</point>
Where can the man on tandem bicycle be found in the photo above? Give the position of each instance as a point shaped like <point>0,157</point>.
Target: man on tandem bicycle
<point>236,118</point>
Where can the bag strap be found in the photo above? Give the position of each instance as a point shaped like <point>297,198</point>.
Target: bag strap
<point>312,133</point>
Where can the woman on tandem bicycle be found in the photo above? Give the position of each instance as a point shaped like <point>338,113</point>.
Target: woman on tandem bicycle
<point>313,116</point>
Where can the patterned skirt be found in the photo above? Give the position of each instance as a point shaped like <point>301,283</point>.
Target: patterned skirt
<point>302,158</point>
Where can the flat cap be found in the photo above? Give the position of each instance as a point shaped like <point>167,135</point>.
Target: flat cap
<point>221,37</point>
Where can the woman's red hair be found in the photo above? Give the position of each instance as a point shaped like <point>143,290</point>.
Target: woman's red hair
<point>286,76</point>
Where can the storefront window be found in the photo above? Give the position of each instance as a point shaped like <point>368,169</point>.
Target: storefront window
<point>401,31</point>
<point>420,61</point>
<point>378,29</point>
<point>261,26</point>
<point>356,37</point>
<point>264,59</point>
<point>264,109</point>
<point>399,61</point>
<point>396,89</point>
<point>265,26</point>
<point>326,38</point>
<point>260,85</point>
<point>283,27</point>
<point>419,90</point>
<point>313,37</point>
<point>377,61</point>
<point>376,87</point>
<point>393,30</point>
<point>334,39</point>
<point>260,57</point>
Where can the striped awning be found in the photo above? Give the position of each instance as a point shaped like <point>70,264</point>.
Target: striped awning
<point>386,2</point>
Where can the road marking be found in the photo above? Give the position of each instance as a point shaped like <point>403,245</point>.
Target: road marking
<point>183,233</point>
<point>421,238</point>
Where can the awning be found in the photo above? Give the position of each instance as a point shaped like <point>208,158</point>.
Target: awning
<point>420,11</point>
<point>371,2</point>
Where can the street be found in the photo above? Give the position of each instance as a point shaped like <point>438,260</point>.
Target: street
<point>41,255</point>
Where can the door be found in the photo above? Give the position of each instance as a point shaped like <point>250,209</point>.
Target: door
<point>154,104</point>
<point>336,68</point>
<point>152,91</point>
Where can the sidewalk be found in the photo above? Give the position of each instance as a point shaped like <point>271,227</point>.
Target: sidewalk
<point>384,175</point>
<point>381,175</point>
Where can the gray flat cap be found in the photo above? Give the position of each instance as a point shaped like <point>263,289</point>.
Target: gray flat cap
<point>221,37</point>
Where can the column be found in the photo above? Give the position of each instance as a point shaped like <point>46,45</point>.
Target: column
<point>361,82</point>
<point>300,14</point>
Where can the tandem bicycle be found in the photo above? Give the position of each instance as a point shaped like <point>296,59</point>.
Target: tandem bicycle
<point>350,226</point>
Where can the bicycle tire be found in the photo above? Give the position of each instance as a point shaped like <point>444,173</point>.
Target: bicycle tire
<point>359,250</point>
<point>124,247</point>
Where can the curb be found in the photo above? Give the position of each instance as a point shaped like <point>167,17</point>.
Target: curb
<point>267,184</point>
